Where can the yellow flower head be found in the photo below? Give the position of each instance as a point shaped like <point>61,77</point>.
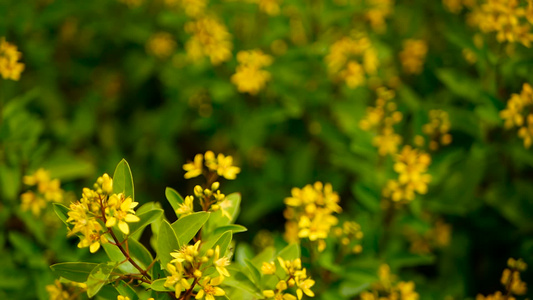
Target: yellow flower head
<point>176,279</point>
<point>120,210</point>
<point>210,289</point>
<point>413,56</point>
<point>352,60</point>
<point>517,114</point>
<point>209,38</point>
<point>10,68</point>
<point>161,45</point>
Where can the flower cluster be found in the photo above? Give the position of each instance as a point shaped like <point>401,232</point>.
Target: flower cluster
<point>413,56</point>
<point>511,281</point>
<point>381,120</point>
<point>293,276</point>
<point>219,165</point>
<point>209,38</point>
<point>10,68</point>
<point>210,199</point>
<point>411,165</point>
<point>161,45</point>
<point>270,7</point>
<point>388,289</point>
<point>352,60</point>
<point>48,190</point>
<point>192,8</point>
<point>377,12</point>
<point>456,6</point>
<point>310,213</point>
<point>189,267</point>
<point>509,19</point>
<point>350,235</point>
<point>249,76</point>
<point>437,130</point>
<point>97,209</point>
<point>518,113</point>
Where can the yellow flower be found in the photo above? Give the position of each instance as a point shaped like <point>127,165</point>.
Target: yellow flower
<point>226,168</point>
<point>56,291</point>
<point>304,287</point>
<point>221,263</point>
<point>10,68</point>
<point>352,60</point>
<point>268,268</point>
<point>413,55</point>
<point>209,38</point>
<point>194,168</point>
<point>249,77</point>
<point>517,114</point>
<point>210,289</point>
<point>194,8</point>
<point>186,208</point>
<point>161,45</point>
<point>187,253</point>
<point>120,210</point>
<point>176,279</point>
<point>437,129</point>
<point>120,297</point>
<point>377,12</point>
<point>32,202</point>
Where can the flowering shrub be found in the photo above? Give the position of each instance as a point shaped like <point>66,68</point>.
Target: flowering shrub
<point>382,149</point>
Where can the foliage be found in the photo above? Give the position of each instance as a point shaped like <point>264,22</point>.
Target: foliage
<point>383,149</point>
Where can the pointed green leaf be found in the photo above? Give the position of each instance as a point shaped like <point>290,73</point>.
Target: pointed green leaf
<point>146,219</point>
<point>73,271</point>
<point>166,242</point>
<point>254,272</point>
<point>62,212</point>
<point>291,252</point>
<point>173,197</point>
<point>159,285</point>
<point>234,228</point>
<point>240,281</point>
<point>223,240</point>
<point>98,277</point>
<point>123,180</point>
<point>187,227</point>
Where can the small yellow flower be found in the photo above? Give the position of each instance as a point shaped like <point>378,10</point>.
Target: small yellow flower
<point>186,208</point>
<point>413,56</point>
<point>176,279</point>
<point>268,268</point>
<point>187,253</point>
<point>161,45</point>
<point>120,210</point>
<point>221,263</point>
<point>210,289</point>
<point>209,38</point>
<point>10,68</point>
<point>194,169</point>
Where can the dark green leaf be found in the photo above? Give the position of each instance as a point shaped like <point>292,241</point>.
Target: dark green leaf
<point>74,271</point>
<point>187,227</point>
<point>166,242</point>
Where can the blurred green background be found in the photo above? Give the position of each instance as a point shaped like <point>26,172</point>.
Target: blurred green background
<point>93,92</point>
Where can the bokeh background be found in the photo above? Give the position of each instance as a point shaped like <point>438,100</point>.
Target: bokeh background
<point>153,82</point>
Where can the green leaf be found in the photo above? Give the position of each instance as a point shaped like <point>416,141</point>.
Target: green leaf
<point>291,252</point>
<point>256,275</point>
<point>187,227</point>
<point>140,255</point>
<point>351,289</point>
<point>98,277</point>
<point>240,281</point>
<point>146,219</point>
<point>223,240</point>
<point>123,180</point>
<point>126,290</point>
<point>62,212</point>
<point>159,285</point>
<point>173,197</point>
<point>74,271</point>
<point>166,242</point>
<point>232,206</point>
<point>234,228</point>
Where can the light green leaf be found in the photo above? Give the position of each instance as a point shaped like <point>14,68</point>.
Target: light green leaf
<point>254,272</point>
<point>187,227</point>
<point>146,219</point>
<point>62,212</point>
<point>173,197</point>
<point>98,277</point>
<point>123,180</point>
<point>232,206</point>
<point>291,252</point>
<point>166,242</point>
<point>74,271</point>
<point>223,240</point>
<point>240,281</point>
<point>234,228</point>
<point>159,286</point>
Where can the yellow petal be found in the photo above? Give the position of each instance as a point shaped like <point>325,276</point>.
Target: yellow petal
<point>123,226</point>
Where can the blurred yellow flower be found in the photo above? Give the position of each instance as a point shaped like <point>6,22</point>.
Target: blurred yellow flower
<point>517,114</point>
<point>250,77</point>
<point>161,45</point>
<point>10,68</point>
<point>413,56</point>
<point>209,38</point>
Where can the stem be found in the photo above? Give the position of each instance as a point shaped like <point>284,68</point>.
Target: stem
<point>188,293</point>
<point>119,245</point>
